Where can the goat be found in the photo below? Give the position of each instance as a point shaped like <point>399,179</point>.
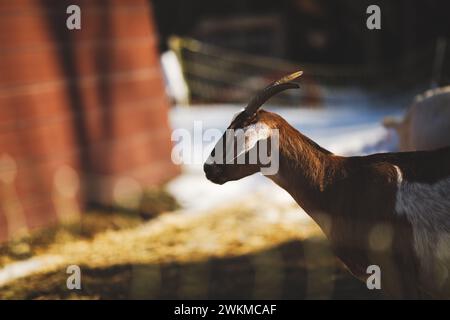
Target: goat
<point>390,210</point>
<point>426,125</point>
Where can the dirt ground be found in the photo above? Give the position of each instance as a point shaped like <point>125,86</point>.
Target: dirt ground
<point>236,252</point>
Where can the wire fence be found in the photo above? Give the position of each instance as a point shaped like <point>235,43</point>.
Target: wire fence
<point>216,74</point>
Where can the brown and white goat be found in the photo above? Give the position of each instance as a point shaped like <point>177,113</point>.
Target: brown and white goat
<point>390,210</point>
<point>426,124</point>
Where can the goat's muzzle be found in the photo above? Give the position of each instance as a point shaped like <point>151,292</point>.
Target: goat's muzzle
<point>213,173</point>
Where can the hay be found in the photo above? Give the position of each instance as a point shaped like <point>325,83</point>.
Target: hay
<point>241,251</point>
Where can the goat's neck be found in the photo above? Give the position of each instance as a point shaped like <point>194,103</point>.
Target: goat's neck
<point>306,171</point>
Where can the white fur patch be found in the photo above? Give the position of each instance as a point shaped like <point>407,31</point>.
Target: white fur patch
<point>427,207</point>
<point>252,134</point>
<point>399,176</point>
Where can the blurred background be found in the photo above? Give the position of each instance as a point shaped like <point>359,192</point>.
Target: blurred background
<point>86,117</point>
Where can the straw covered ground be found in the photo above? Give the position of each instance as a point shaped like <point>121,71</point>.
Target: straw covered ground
<point>238,251</point>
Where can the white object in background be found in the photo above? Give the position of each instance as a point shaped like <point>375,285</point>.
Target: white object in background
<point>426,124</point>
<point>176,86</point>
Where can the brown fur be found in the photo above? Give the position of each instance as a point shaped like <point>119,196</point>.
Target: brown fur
<point>356,194</point>
<point>349,196</point>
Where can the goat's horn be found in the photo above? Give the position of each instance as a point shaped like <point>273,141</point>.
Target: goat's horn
<point>271,90</point>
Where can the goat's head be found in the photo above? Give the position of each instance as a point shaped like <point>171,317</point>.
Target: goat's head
<point>238,152</point>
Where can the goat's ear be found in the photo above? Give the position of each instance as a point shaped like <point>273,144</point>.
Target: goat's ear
<point>391,123</point>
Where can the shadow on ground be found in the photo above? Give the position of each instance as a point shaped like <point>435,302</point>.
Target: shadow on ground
<point>291,270</point>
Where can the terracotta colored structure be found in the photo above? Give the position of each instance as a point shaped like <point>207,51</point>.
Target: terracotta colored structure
<point>83,113</point>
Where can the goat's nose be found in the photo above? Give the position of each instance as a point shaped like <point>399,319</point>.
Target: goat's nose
<point>207,168</point>
<point>210,169</point>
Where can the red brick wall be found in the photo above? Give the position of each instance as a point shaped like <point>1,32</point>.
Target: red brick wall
<point>79,110</point>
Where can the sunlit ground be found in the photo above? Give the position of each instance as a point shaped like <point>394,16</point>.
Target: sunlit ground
<point>235,252</point>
